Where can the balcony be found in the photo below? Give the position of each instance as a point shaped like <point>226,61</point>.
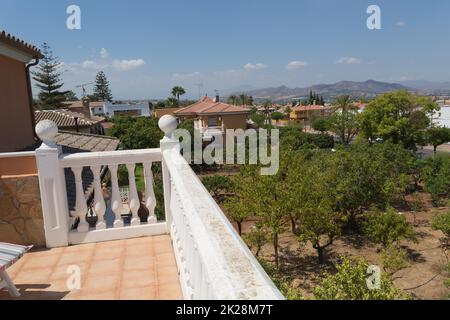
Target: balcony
<point>195,247</point>
<point>208,133</point>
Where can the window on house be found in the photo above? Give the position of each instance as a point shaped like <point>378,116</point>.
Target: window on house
<point>212,122</point>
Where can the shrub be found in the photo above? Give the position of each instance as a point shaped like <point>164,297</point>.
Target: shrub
<point>441,221</point>
<point>436,173</point>
<point>393,259</point>
<point>321,124</point>
<point>350,283</point>
<point>256,238</point>
<point>388,228</point>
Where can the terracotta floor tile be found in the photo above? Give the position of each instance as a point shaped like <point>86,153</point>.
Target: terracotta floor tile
<point>33,276</point>
<point>101,283</point>
<point>139,263</point>
<point>162,248</point>
<point>36,262</point>
<point>170,292</point>
<point>75,257</point>
<point>62,271</point>
<point>142,268</point>
<point>81,247</point>
<point>109,244</point>
<point>105,267</point>
<point>95,295</point>
<point>144,293</point>
<point>138,278</point>
<point>108,253</point>
<point>139,250</point>
<point>137,241</point>
<point>167,274</point>
<point>166,259</point>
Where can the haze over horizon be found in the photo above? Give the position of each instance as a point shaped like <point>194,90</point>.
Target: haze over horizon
<point>145,48</point>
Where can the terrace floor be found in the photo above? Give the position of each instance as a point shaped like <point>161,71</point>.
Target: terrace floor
<point>142,268</point>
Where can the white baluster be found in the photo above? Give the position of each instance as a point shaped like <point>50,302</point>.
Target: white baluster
<point>150,199</point>
<point>116,200</point>
<point>99,201</point>
<point>133,201</point>
<point>80,203</point>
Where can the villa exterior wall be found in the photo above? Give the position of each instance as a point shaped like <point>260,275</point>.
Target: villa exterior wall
<point>15,116</point>
<point>21,219</point>
<point>235,121</point>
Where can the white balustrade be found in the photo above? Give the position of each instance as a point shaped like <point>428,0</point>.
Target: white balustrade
<point>213,261</point>
<point>99,201</point>
<point>116,199</point>
<point>133,199</point>
<point>80,202</point>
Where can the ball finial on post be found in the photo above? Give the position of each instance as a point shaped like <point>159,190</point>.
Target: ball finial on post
<point>47,130</point>
<point>168,124</point>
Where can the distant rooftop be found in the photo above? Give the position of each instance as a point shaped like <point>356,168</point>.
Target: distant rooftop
<point>207,106</point>
<point>65,118</point>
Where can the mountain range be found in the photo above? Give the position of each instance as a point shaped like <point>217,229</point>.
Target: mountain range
<point>367,89</point>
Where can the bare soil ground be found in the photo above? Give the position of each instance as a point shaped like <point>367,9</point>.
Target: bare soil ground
<point>423,276</point>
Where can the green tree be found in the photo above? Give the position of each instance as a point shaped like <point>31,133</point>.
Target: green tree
<point>387,228</point>
<point>350,283</point>
<point>171,102</point>
<point>399,116</point>
<point>437,136</point>
<point>277,116</point>
<point>256,238</point>
<point>178,91</point>
<point>48,80</point>
<point>435,177</point>
<point>238,211</point>
<point>344,120</point>
<point>102,91</point>
<point>321,124</point>
<point>71,96</point>
<point>233,99</point>
<point>137,132</point>
<point>217,185</point>
<point>441,221</point>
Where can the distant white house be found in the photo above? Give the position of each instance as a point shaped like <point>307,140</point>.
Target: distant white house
<point>133,109</point>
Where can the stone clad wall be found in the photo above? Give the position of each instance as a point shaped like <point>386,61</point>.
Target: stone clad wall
<point>21,219</point>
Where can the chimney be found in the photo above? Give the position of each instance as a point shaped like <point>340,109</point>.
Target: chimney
<point>86,110</point>
<point>217,99</point>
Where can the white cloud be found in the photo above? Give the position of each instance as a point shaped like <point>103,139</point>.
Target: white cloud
<point>92,65</point>
<point>400,24</point>
<point>182,76</point>
<point>296,64</point>
<point>126,65</point>
<point>104,54</point>
<point>257,66</point>
<point>348,60</point>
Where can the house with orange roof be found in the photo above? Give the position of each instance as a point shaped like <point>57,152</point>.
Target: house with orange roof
<point>213,117</point>
<point>305,114</point>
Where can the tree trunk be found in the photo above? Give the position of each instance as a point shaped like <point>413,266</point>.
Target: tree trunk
<point>435,150</point>
<point>320,252</point>
<point>275,249</point>
<point>293,225</point>
<point>239,225</point>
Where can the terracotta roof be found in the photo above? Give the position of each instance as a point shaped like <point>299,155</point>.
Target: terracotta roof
<point>79,104</point>
<point>66,119</point>
<point>207,106</point>
<point>19,44</point>
<point>308,108</point>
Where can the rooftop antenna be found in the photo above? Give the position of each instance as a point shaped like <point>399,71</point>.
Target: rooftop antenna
<point>83,86</point>
<point>199,85</point>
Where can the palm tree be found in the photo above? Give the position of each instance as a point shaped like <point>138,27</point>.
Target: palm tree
<point>178,91</point>
<point>233,100</point>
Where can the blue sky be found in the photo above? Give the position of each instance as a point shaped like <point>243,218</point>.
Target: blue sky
<point>145,47</point>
